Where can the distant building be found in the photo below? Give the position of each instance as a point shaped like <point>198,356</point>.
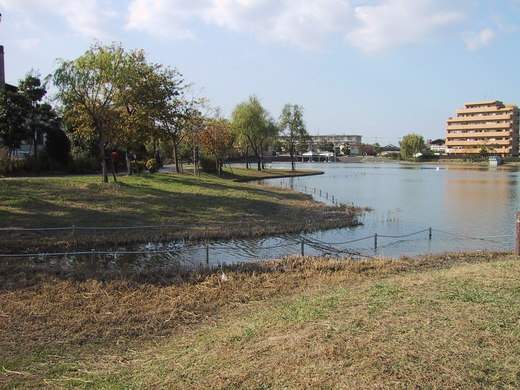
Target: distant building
<point>437,146</point>
<point>340,142</point>
<point>490,126</point>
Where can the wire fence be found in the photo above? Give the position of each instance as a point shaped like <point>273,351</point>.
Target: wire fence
<point>208,252</point>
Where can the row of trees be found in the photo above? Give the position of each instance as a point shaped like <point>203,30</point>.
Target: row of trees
<point>112,99</point>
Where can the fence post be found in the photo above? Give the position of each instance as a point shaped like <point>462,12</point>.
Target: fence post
<point>303,247</point>
<point>517,238</point>
<point>207,253</point>
<point>375,241</point>
<point>430,234</point>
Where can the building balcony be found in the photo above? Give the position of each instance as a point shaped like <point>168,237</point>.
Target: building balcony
<point>479,135</point>
<point>483,126</point>
<point>464,151</point>
<point>487,143</point>
<point>483,118</point>
<point>485,110</point>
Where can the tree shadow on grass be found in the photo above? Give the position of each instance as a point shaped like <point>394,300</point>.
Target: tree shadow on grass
<point>249,188</point>
<point>132,204</point>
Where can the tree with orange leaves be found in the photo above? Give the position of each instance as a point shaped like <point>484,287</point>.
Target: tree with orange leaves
<point>216,140</point>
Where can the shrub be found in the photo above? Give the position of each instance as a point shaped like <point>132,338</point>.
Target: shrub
<point>208,165</point>
<point>152,165</point>
<point>84,164</point>
<point>138,166</point>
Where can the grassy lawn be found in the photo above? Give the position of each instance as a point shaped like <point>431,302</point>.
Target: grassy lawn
<point>440,322</point>
<point>199,207</point>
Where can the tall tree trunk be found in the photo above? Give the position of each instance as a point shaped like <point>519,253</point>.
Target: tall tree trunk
<point>128,164</point>
<point>103,161</point>
<point>35,144</point>
<point>292,157</point>
<point>194,152</point>
<point>113,167</point>
<point>176,156</point>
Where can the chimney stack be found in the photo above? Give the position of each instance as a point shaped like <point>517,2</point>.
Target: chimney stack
<point>2,69</point>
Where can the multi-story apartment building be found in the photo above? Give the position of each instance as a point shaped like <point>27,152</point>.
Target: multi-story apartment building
<point>489,126</point>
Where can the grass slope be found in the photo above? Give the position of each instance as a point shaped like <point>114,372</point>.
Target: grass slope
<point>198,206</point>
<point>439,322</point>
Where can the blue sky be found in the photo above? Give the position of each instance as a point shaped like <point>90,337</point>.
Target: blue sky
<point>379,68</point>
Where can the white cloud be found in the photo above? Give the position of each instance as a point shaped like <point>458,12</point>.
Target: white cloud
<point>169,19</point>
<point>392,23</point>
<point>302,23</point>
<point>476,41</point>
<point>371,26</point>
<point>86,17</point>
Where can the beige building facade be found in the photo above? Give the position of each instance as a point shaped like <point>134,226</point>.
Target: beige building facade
<point>489,126</point>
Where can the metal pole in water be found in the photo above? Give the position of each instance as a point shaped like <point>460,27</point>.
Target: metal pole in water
<point>207,253</point>
<point>430,234</point>
<point>375,241</point>
<point>303,247</point>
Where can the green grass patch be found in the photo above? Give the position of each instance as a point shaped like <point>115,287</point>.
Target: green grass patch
<point>306,308</point>
<point>192,207</point>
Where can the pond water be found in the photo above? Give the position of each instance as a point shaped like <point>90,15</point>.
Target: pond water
<point>467,209</point>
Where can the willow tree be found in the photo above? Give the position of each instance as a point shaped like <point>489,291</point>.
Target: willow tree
<point>252,125</point>
<point>293,128</point>
<point>90,88</point>
<point>411,144</point>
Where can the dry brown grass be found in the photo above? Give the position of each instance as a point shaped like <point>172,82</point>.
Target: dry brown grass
<point>445,321</point>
